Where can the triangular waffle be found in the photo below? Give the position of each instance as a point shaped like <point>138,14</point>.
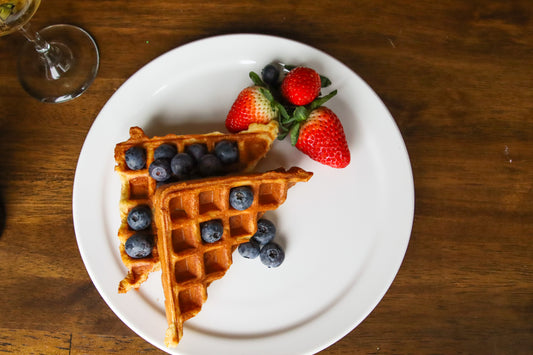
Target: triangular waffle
<point>138,188</point>
<point>188,264</point>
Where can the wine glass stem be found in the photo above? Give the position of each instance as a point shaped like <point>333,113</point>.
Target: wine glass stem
<point>41,46</point>
<point>56,58</point>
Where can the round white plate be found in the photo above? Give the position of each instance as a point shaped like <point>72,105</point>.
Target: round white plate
<point>345,231</point>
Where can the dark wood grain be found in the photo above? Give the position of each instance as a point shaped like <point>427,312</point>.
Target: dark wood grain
<point>457,77</point>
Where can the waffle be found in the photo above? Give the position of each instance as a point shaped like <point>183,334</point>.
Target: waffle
<point>188,264</point>
<point>138,188</point>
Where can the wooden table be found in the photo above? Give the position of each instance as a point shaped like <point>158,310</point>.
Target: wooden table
<point>457,77</point>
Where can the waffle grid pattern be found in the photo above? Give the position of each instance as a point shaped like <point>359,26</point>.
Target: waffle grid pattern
<point>189,265</point>
<point>138,188</point>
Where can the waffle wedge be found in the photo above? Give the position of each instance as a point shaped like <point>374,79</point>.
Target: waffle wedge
<point>188,264</point>
<point>138,188</point>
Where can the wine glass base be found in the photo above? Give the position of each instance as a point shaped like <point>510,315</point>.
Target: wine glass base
<point>80,67</point>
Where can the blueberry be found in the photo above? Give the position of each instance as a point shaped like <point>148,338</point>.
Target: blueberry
<point>209,165</point>
<point>160,170</point>
<point>249,250</point>
<point>182,165</point>
<point>165,151</point>
<point>211,231</point>
<point>139,217</point>
<point>241,197</point>
<point>135,158</point>
<point>272,255</point>
<point>270,74</point>
<point>266,231</point>
<point>196,150</point>
<point>139,245</point>
<point>227,152</point>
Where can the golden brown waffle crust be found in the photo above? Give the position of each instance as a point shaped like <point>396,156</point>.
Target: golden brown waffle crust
<point>291,176</point>
<point>189,265</point>
<point>137,188</point>
<point>264,133</point>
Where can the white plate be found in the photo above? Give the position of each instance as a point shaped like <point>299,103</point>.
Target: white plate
<point>345,231</point>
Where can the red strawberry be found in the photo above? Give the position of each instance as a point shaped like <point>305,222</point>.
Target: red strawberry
<point>301,86</point>
<point>253,105</point>
<point>322,138</point>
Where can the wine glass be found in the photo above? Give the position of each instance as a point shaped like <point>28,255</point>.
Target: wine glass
<point>59,62</point>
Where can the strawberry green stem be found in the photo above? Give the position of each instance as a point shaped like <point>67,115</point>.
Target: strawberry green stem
<point>283,112</point>
<point>256,79</point>
<point>266,93</point>
<point>295,132</point>
<point>321,100</point>
<point>324,81</point>
<point>300,114</point>
<point>290,125</point>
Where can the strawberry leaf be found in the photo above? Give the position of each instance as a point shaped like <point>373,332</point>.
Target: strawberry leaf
<point>321,100</point>
<point>256,79</point>
<point>300,114</point>
<point>289,67</point>
<point>282,133</point>
<point>324,81</point>
<point>295,132</point>
<point>287,123</point>
<point>282,111</point>
<point>291,124</point>
<point>268,95</point>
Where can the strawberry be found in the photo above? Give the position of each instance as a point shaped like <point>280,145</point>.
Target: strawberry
<point>317,131</point>
<point>254,104</point>
<point>322,138</point>
<point>301,86</point>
